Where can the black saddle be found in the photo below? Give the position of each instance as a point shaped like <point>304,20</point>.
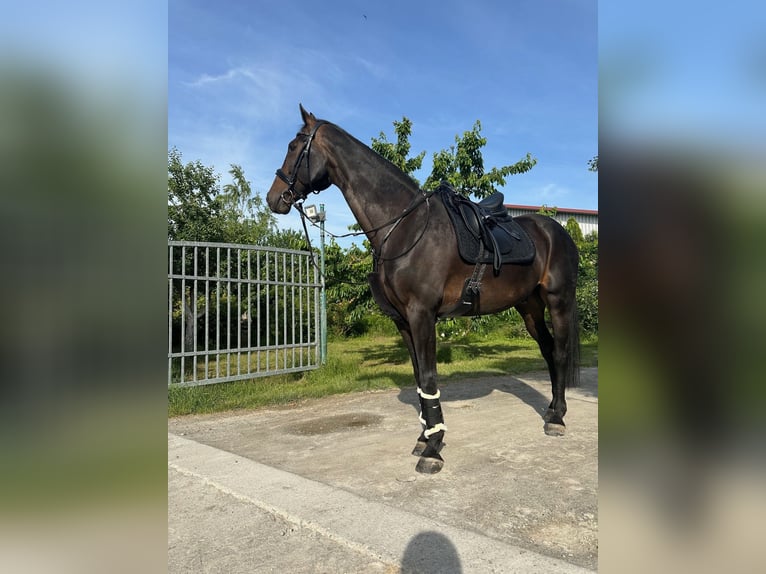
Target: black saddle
<point>485,232</point>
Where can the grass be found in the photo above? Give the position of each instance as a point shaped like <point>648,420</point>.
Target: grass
<point>368,363</point>
<point>226,364</point>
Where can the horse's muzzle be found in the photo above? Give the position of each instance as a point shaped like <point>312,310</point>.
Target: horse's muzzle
<point>280,202</point>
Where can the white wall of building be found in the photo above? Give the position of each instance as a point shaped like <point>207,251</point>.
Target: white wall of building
<point>587,220</point>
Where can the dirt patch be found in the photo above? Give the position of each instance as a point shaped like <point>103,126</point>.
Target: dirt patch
<point>336,423</point>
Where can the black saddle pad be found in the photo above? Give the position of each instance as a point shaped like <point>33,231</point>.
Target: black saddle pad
<point>484,233</point>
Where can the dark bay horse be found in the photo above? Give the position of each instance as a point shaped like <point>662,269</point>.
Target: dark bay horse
<point>419,274</point>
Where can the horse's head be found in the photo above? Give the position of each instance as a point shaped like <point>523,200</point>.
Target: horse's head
<point>304,169</point>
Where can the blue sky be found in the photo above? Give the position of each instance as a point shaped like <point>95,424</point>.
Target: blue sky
<point>527,70</point>
<point>697,74</point>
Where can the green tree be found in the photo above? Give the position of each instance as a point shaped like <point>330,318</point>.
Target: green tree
<point>462,165</point>
<point>199,210</point>
<point>587,276</point>
<point>587,284</point>
<point>289,239</point>
<point>573,228</point>
<point>549,211</point>
<point>237,195</point>
<point>195,210</point>
<point>246,218</point>
<point>593,163</point>
<point>397,152</point>
<point>349,298</point>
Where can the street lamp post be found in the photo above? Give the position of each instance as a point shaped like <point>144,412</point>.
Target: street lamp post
<point>322,293</point>
<point>315,216</point>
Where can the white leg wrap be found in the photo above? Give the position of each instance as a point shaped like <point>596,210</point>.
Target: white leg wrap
<point>427,396</point>
<point>439,427</point>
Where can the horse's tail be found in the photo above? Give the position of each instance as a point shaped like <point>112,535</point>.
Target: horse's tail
<point>572,375</point>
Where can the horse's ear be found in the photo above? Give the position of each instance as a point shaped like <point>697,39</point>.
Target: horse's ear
<point>307,116</point>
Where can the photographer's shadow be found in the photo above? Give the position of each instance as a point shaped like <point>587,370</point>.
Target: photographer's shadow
<point>431,553</point>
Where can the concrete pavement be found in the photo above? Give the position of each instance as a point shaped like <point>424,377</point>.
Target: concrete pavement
<point>329,485</point>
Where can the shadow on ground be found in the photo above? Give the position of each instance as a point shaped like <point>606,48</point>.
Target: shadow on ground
<point>431,553</point>
<point>481,387</point>
<point>481,383</point>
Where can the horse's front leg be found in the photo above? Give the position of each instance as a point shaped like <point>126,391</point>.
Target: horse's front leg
<point>404,330</point>
<point>423,348</point>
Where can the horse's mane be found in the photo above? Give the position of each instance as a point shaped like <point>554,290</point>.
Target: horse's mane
<point>402,178</point>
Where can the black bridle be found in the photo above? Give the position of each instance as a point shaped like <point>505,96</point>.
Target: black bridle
<point>290,196</point>
<point>294,198</point>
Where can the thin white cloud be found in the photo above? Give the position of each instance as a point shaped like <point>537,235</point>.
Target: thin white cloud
<point>207,79</point>
<point>553,191</point>
<point>374,69</point>
<point>264,93</point>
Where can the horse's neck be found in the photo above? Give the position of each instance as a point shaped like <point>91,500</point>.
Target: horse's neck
<point>375,190</point>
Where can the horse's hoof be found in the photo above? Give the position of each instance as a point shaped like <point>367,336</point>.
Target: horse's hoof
<point>553,429</point>
<point>428,465</point>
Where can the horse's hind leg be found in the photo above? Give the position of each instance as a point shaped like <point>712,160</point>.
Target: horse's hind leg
<point>533,313</point>
<point>566,353</point>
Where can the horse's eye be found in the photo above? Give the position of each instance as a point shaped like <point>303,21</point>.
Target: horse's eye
<point>292,146</point>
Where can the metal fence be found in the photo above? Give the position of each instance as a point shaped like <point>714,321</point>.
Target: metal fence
<point>238,312</point>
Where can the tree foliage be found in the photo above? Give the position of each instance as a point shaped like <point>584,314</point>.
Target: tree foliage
<point>573,228</point>
<point>587,276</point>
<point>397,152</point>
<point>200,210</point>
<point>548,211</point>
<point>246,218</point>
<point>349,298</point>
<point>194,205</point>
<point>462,165</point>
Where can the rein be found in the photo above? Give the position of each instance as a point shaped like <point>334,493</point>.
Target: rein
<point>419,199</point>
<point>425,195</point>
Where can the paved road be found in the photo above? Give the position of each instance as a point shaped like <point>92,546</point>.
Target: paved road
<point>329,485</point>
